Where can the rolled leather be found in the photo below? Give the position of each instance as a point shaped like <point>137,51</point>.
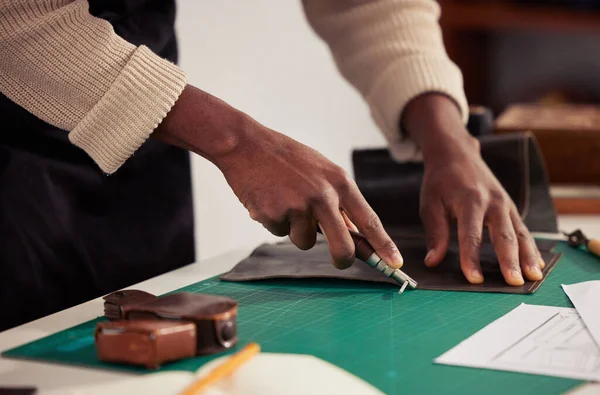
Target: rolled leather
<point>150,343</point>
<point>393,189</point>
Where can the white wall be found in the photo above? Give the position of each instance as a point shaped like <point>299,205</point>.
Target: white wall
<point>262,57</point>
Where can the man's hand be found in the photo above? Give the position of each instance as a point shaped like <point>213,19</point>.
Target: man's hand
<point>458,185</point>
<point>286,186</point>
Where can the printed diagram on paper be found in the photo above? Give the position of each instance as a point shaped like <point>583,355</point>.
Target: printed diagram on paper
<point>561,342</point>
<point>545,340</point>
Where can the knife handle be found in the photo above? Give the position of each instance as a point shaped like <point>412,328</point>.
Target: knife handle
<point>362,249</point>
<point>593,246</point>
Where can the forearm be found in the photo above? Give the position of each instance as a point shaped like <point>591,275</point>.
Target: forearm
<point>435,123</point>
<point>73,71</point>
<point>391,51</point>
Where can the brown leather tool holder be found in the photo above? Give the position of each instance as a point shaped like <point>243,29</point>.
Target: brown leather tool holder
<point>393,190</point>
<point>146,343</point>
<point>214,317</point>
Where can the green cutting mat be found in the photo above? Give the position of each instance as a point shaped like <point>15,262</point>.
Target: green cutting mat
<point>386,339</point>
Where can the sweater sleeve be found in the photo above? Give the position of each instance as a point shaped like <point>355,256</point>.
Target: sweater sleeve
<point>73,71</point>
<point>391,51</point>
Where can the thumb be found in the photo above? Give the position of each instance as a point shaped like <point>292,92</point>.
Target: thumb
<point>437,230</point>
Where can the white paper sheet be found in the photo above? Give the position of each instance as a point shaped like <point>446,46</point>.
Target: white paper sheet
<point>585,389</point>
<point>264,374</point>
<point>586,299</point>
<point>543,340</point>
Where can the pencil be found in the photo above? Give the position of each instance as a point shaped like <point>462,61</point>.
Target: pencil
<point>224,369</point>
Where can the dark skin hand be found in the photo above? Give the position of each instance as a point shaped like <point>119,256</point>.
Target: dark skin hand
<point>458,185</point>
<point>286,186</point>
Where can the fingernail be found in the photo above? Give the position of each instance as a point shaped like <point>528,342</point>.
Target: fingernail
<point>537,273</point>
<point>542,264</point>
<point>516,274</point>
<point>429,257</point>
<point>397,260</point>
<point>476,276</point>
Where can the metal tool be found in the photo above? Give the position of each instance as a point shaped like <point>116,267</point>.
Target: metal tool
<point>366,253</point>
<point>577,239</point>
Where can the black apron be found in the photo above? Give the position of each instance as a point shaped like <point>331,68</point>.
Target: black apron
<point>68,232</point>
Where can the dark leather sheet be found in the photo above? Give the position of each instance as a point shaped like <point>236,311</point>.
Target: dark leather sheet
<point>284,260</point>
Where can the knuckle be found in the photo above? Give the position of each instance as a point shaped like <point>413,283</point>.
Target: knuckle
<point>497,194</point>
<point>372,224</point>
<point>388,246</point>
<point>507,237</point>
<point>530,259</point>
<point>342,180</point>
<point>498,208</point>
<point>524,235</point>
<point>475,197</point>
<point>470,198</point>
<point>472,240</point>
<point>512,264</point>
<point>295,210</point>
<point>321,196</point>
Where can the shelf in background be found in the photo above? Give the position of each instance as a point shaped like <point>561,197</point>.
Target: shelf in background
<point>487,15</point>
<point>575,199</point>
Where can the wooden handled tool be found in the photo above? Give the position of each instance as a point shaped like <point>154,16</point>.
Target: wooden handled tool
<point>577,238</point>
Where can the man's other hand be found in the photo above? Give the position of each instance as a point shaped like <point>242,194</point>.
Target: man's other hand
<point>458,185</point>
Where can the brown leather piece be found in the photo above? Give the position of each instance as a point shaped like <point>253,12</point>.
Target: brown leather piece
<point>285,260</point>
<point>147,343</point>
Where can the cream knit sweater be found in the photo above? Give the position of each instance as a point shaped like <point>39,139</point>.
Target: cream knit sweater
<point>71,70</point>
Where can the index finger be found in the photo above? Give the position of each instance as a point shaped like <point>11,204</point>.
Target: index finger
<point>368,223</point>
